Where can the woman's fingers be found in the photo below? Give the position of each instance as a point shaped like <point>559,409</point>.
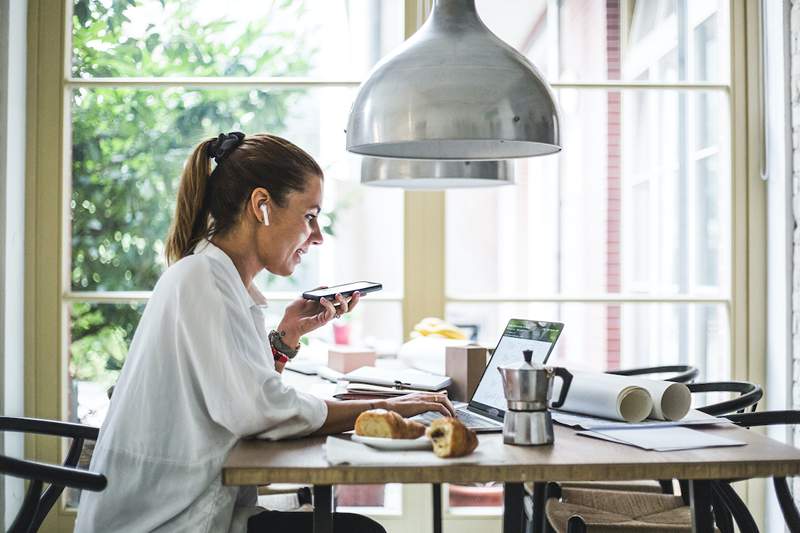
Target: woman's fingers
<point>342,301</point>
<point>354,301</point>
<point>448,405</point>
<point>436,406</point>
<point>328,312</point>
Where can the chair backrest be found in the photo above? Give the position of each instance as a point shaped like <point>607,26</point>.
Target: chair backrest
<point>679,373</point>
<point>749,396</point>
<point>38,502</point>
<point>775,418</point>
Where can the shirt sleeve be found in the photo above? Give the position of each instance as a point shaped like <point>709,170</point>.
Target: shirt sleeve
<point>231,371</point>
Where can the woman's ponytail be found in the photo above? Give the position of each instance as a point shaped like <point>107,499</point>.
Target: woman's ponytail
<point>190,224</point>
<point>209,204</point>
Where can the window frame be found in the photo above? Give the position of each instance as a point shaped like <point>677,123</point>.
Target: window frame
<point>47,283</point>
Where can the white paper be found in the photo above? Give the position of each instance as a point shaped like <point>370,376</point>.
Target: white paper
<point>341,450</point>
<point>663,439</point>
<point>403,377</point>
<point>605,395</point>
<point>624,398</point>
<point>694,418</point>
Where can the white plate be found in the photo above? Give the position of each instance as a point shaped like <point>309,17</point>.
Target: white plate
<point>421,443</point>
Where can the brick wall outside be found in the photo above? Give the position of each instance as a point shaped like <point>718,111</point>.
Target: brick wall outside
<point>795,97</point>
<point>614,177</point>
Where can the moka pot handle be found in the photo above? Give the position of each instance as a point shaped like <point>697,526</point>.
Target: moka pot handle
<point>566,379</point>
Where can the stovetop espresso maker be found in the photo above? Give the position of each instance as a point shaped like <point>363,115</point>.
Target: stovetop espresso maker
<point>528,387</point>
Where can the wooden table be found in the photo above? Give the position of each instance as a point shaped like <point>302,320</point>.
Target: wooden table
<point>571,458</point>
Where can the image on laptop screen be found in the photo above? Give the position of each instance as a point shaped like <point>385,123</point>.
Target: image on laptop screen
<point>519,335</point>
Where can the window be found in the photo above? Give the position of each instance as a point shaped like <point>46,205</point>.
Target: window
<point>635,235</point>
<point>625,236</point>
<point>148,80</point>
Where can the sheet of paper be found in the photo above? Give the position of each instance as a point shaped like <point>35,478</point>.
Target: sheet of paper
<point>663,439</point>
<point>694,418</point>
<point>341,450</point>
<point>402,377</point>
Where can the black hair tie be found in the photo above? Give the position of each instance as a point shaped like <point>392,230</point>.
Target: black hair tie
<point>226,143</point>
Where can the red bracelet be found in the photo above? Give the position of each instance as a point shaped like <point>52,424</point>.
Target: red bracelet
<point>278,356</point>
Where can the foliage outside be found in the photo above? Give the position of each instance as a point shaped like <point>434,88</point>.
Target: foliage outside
<point>129,145</point>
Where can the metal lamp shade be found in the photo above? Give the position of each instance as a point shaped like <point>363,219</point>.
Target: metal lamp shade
<point>454,90</point>
<point>413,174</point>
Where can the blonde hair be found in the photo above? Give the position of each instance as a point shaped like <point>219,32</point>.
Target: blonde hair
<point>209,203</point>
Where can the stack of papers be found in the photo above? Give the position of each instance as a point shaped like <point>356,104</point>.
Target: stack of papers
<point>365,391</point>
<point>694,418</point>
<point>662,439</point>
<point>656,435</point>
<point>407,378</point>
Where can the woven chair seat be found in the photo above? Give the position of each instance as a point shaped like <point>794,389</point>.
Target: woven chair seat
<point>643,485</point>
<point>606,511</point>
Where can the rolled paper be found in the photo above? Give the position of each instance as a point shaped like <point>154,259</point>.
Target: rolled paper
<point>629,399</point>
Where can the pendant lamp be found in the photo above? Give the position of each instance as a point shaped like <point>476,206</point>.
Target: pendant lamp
<point>454,90</point>
<point>414,174</point>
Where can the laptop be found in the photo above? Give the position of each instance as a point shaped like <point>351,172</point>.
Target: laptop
<point>486,408</point>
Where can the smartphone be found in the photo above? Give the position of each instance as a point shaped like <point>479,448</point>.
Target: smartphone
<point>345,290</point>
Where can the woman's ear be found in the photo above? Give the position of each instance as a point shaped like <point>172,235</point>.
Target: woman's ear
<point>260,205</point>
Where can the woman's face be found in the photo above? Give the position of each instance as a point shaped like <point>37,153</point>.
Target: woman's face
<point>292,229</point>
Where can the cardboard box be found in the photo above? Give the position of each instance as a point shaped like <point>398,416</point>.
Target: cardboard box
<point>345,359</point>
<point>464,365</point>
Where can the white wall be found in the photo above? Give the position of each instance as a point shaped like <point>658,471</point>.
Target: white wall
<point>13,24</point>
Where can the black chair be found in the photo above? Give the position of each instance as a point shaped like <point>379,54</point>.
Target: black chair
<point>775,418</point>
<point>679,373</point>
<point>38,502</point>
<point>748,397</point>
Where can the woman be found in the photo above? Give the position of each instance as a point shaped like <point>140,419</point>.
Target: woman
<point>202,372</point>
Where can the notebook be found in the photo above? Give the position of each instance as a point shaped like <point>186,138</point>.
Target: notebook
<point>409,378</point>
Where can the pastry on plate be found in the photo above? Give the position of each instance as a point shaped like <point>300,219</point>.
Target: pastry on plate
<point>387,424</point>
<point>451,438</point>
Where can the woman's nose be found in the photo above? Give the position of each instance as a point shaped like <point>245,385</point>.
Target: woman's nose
<point>316,235</point>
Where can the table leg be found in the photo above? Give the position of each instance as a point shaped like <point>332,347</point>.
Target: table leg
<point>537,512</point>
<point>700,497</point>
<point>437,508</point>
<point>323,509</point>
<point>512,507</point>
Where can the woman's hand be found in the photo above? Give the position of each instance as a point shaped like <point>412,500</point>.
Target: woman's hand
<point>304,316</point>
<point>420,402</point>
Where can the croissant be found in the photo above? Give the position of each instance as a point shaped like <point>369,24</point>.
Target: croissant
<point>451,438</point>
<point>387,424</point>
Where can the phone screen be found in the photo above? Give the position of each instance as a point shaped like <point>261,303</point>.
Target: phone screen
<point>365,286</point>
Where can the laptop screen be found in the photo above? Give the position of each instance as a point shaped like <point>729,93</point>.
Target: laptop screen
<point>519,335</point>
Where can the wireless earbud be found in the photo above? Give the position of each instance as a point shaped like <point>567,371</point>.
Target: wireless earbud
<point>266,215</point>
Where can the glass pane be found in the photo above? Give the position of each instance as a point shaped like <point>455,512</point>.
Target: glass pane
<point>605,336</point>
<point>99,336</point>
<point>314,38</point>
<point>128,150</point>
<point>636,203</point>
<point>475,498</point>
<point>377,325</point>
<point>583,40</point>
<point>364,499</point>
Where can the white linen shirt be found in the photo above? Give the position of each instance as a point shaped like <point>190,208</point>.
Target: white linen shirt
<point>199,376</point>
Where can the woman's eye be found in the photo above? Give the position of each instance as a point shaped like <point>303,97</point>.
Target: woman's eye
<point>310,217</point>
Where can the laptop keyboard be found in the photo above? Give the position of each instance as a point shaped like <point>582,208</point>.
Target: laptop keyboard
<point>470,420</point>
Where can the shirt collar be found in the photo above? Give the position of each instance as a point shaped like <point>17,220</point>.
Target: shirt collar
<point>251,294</point>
